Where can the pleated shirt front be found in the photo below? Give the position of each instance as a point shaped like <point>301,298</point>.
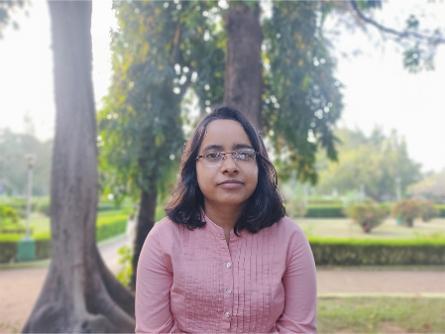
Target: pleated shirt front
<point>193,281</point>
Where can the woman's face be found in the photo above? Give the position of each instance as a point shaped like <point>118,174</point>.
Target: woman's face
<point>228,182</point>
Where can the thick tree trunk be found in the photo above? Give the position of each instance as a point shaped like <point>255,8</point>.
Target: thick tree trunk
<point>243,80</point>
<point>145,221</point>
<point>79,294</point>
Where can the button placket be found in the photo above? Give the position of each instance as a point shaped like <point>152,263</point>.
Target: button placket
<point>227,292</point>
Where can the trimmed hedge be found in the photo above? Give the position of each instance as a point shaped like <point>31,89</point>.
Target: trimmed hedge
<point>345,252</point>
<point>8,250</point>
<point>107,227</point>
<point>325,211</point>
<point>337,211</point>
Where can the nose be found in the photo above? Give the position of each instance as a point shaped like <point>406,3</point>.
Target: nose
<point>228,165</point>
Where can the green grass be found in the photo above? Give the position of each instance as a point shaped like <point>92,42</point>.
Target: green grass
<point>345,228</point>
<point>381,315</point>
<point>40,224</point>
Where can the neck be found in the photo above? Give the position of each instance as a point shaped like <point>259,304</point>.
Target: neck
<point>224,216</point>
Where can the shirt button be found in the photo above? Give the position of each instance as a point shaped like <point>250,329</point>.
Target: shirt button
<point>227,315</point>
<point>229,265</point>
<point>228,291</point>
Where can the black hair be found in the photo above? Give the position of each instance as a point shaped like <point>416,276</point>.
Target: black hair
<point>263,208</point>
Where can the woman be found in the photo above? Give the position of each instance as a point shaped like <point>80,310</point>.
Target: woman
<point>226,259</point>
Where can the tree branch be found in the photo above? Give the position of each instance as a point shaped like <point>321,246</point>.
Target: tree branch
<point>431,39</point>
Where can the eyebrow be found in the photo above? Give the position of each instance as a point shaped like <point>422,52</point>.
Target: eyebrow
<point>221,148</point>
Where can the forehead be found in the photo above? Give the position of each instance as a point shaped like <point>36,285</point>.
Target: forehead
<point>225,133</point>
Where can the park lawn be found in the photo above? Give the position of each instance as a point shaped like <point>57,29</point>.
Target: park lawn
<point>381,315</point>
<point>40,224</point>
<point>345,228</point>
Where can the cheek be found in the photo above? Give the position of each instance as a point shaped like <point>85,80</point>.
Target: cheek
<point>203,178</point>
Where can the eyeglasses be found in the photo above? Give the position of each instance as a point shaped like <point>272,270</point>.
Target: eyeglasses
<point>215,158</point>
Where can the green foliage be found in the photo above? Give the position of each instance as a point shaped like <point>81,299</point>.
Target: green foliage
<point>367,214</point>
<point>302,99</point>
<point>428,211</point>
<point>8,248</point>
<point>325,211</point>
<point>110,225</point>
<point>407,211</point>
<point>140,126</point>
<point>125,258</point>
<point>345,252</point>
<point>377,165</point>
<point>8,215</point>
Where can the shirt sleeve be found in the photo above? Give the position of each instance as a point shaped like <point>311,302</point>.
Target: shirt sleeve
<point>153,282</point>
<point>300,287</point>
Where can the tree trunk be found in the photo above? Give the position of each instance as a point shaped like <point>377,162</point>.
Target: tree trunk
<point>79,294</point>
<point>145,221</point>
<point>243,80</point>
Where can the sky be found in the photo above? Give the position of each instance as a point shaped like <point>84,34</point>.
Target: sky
<point>377,90</point>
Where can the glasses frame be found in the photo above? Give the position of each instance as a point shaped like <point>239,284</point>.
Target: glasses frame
<point>224,155</point>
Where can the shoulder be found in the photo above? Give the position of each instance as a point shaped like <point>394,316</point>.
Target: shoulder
<point>164,230</point>
<point>289,234</point>
<point>289,227</point>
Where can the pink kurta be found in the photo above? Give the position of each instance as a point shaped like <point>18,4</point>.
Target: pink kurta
<point>192,281</point>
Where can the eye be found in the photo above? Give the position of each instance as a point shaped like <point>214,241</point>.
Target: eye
<point>212,156</point>
<point>245,155</point>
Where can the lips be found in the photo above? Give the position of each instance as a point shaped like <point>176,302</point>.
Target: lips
<point>231,182</point>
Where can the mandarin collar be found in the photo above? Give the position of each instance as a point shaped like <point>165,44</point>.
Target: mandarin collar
<point>217,230</point>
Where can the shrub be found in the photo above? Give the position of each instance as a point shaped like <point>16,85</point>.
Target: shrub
<point>428,211</point>
<point>367,214</point>
<point>8,215</point>
<point>126,271</point>
<point>406,211</point>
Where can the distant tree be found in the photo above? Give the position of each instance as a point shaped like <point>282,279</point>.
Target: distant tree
<point>432,186</point>
<point>79,294</point>
<point>13,169</point>
<point>7,11</point>
<point>377,164</point>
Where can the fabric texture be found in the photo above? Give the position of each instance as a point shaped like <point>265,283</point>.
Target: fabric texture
<point>192,281</point>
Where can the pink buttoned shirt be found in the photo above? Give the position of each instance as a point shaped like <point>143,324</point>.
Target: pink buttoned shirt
<point>192,281</point>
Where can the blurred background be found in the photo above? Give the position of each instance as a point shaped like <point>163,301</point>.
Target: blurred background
<point>348,97</point>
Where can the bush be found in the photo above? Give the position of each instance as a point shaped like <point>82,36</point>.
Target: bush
<point>428,211</point>
<point>367,214</point>
<point>8,215</point>
<point>406,211</point>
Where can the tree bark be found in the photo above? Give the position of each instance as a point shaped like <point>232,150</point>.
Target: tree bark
<point>79,293</point>
<point>145,221</point>
<point>243,80</point>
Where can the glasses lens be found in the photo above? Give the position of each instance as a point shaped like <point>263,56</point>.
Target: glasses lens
<point>244,155</point>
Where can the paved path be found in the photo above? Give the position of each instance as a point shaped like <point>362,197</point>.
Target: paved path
<point>19,287</point>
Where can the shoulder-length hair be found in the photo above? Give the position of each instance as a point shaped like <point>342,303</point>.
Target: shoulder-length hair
<point>263,208</point>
